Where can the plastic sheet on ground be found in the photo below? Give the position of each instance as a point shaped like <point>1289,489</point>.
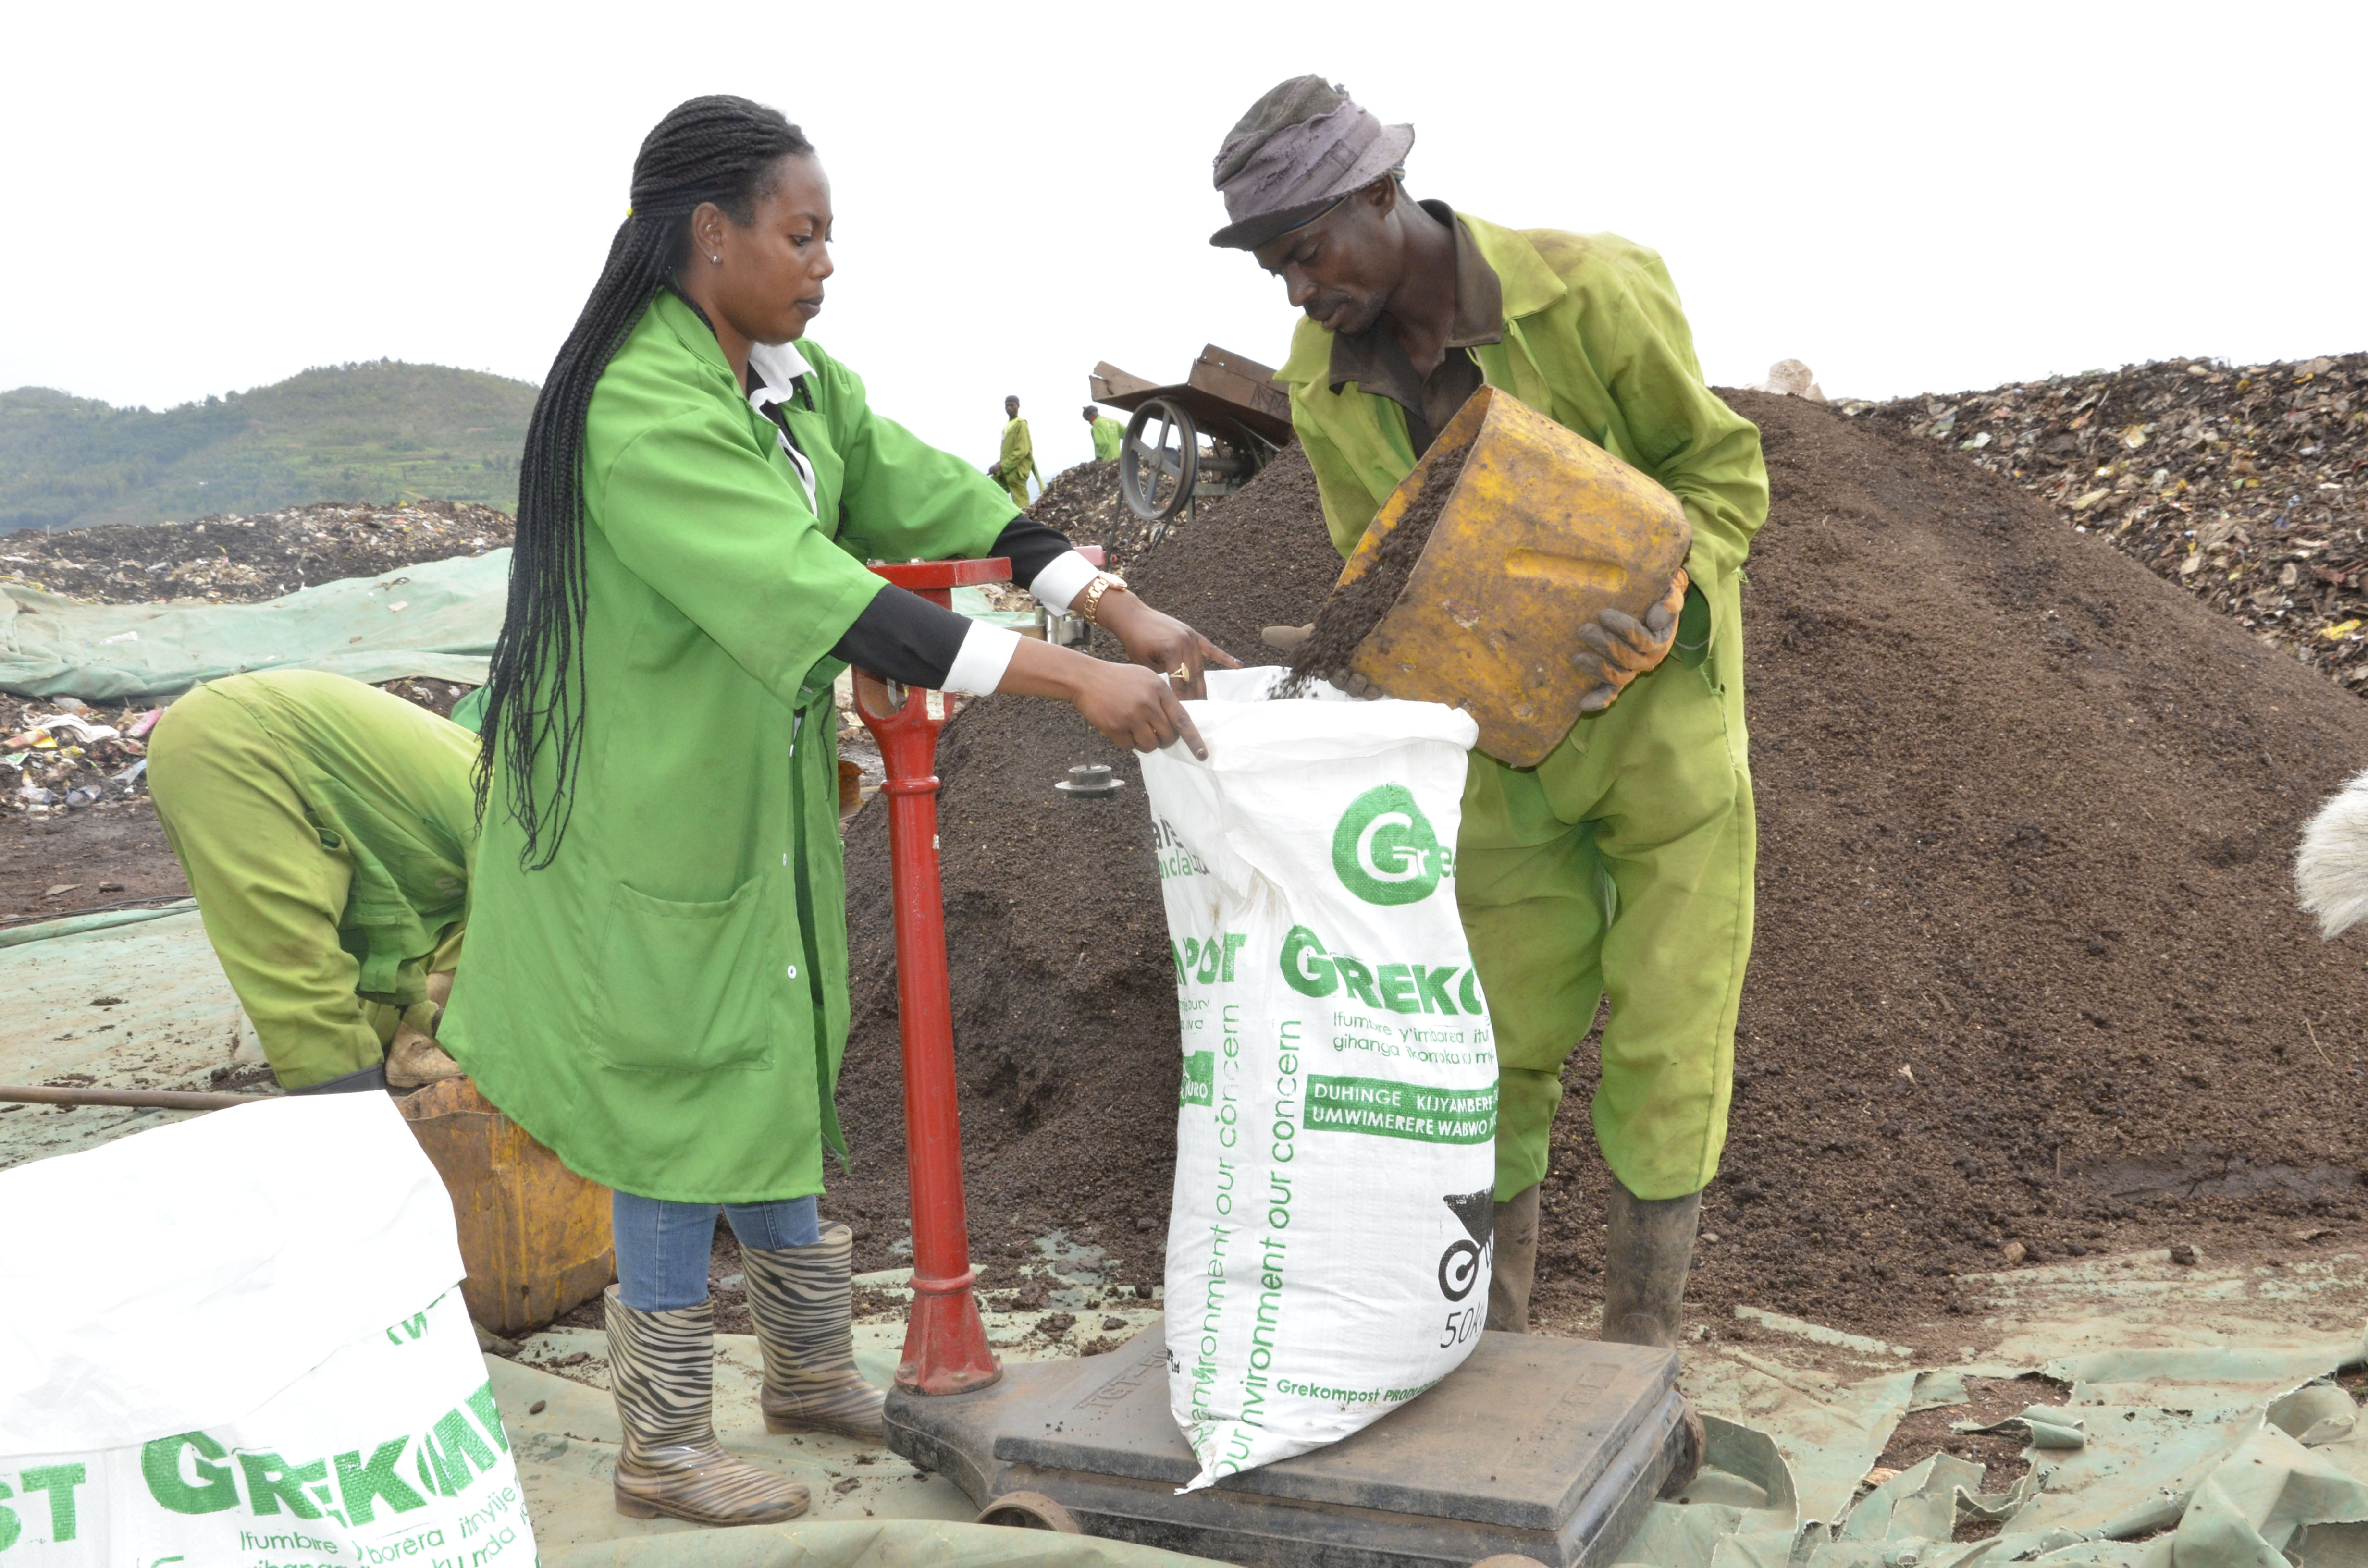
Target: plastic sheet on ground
<point>2202,1429</point>
<point>124,998</point>
<point>437,620</point>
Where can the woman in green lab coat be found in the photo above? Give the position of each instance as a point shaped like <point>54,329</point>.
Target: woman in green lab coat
<point>657,976</point>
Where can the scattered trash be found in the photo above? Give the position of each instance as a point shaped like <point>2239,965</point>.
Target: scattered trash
<point>2244,485</point>
<point>62,889</point>
<point>66,756</point>
<point>2184,1254</point>
<point>270,554</point>
<point>2014,1252</point>
<point>1792,378</point>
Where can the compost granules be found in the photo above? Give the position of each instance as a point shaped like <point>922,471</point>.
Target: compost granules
<point>2028,968</point>
<point>1356,607</point>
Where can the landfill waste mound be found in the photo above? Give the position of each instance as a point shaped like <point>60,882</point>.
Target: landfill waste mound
<point>2243,484</point>
<point>2028,981</point>
<point>235,560</point>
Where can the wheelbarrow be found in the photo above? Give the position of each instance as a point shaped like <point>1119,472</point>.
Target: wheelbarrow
<point>1540,529</point>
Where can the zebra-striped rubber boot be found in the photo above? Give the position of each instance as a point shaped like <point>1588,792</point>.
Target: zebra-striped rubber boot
<point>662,1368</point>
<point>803,1302</point>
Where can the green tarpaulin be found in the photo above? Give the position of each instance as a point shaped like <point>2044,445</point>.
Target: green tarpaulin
<point>437,619</point>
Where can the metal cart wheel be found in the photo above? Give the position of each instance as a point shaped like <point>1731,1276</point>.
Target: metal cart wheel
<point>1160,461</point>
<point>1690,1457</point>
<point>1030,1511</point>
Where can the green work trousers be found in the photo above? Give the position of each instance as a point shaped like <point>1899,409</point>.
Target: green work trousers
<point>1017,489</point>
<point>1620,865</point>
<point>271,892</point>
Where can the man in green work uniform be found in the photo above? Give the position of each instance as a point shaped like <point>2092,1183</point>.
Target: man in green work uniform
<point>1621,865</point>
<point>326,828</point>
<point>1107,433</point>
<point>1019,459</point>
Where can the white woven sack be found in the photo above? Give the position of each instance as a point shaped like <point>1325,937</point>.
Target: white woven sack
<point>1328,1251</point>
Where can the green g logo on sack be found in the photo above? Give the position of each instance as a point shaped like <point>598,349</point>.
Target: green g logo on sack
<point>1384,850</point>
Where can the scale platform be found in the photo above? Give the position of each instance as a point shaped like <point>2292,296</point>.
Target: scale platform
<point>1545,1449</point>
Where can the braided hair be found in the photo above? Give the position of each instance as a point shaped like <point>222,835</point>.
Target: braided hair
<point>719,149</point>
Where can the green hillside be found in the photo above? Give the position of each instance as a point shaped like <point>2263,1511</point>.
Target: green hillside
<point>382,433</point>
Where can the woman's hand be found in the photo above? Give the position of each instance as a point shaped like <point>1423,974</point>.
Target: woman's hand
<point>1161,643</point>
<point>1132,707</point>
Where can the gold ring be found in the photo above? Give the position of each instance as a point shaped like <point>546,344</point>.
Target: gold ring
<point>1182,672</point>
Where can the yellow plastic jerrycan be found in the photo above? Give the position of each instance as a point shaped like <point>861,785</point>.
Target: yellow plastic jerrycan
<point>1541,529</point>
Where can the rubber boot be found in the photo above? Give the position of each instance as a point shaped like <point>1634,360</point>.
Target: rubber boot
<point>1515,1270</point>
<point>803,1302</point>
<point>1648,1250</point>
<point>662,1368</point>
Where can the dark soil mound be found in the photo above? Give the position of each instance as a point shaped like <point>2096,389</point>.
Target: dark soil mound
<point>233,558</point>
<point>2025,816</point>
<point>1085,504</point>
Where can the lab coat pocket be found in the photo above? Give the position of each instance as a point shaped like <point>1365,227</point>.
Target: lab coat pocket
<point>689,985</point>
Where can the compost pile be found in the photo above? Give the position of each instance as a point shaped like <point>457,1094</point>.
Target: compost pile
<point>2246,485</point>
<point>1083,503</point>
<point>2028,971</point>
<point>235,560</point>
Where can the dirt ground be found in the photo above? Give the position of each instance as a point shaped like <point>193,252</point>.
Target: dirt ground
<point>2027,969</point>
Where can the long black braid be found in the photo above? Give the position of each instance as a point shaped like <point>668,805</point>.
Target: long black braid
<point>719,149</point>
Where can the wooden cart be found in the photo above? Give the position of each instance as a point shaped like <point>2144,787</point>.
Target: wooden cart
<point>1207,435</point>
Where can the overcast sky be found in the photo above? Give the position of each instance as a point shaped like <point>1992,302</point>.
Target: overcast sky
<point>1910,197</point>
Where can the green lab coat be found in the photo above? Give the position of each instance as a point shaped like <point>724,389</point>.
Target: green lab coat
<point>324,827</point>
<point>666,1004</point>
<point>1107,435</point>
<point>1019,459</point>
<point>1623,863</point>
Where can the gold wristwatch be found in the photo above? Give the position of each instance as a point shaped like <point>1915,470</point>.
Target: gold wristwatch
<point>1088,602</point>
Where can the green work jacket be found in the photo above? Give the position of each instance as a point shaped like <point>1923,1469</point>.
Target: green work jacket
<point>1109,436</point>
<point>666,1004</point>
<point>1019,457</point>
<point>1594,338</point>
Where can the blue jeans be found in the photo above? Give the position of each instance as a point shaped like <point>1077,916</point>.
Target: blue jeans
<point>663,1247</point>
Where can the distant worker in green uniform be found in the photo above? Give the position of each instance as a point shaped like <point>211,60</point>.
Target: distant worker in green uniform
<point>1621,865</point>
<point>657,976</point>
<point>1108,435</point>
<point>325,827</point>
<point>1019,459</point>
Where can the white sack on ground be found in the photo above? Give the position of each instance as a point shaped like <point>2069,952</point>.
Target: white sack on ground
<point>237,1339</point>
<point>1328,1256</point>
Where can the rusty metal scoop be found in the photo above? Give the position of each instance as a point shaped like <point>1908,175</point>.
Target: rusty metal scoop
<point>1540,529</point>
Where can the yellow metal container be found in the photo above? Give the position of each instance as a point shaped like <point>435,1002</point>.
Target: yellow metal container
<point>534,1236</point>
<point>1541,529</point>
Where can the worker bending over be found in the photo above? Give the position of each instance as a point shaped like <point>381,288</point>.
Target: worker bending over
<point>326,828</point>
<point>1107,435</point>
<point>1621,863</point>
<point>1019,459</point>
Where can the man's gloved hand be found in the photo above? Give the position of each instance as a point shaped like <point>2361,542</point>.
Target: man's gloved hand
<point>1626,647</point>
<point>1287,639</point>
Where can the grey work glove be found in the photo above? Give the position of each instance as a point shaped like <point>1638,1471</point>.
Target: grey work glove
<point>1623,647</point>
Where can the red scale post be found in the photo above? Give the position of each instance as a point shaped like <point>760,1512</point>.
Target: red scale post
<point>945,1342</point>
